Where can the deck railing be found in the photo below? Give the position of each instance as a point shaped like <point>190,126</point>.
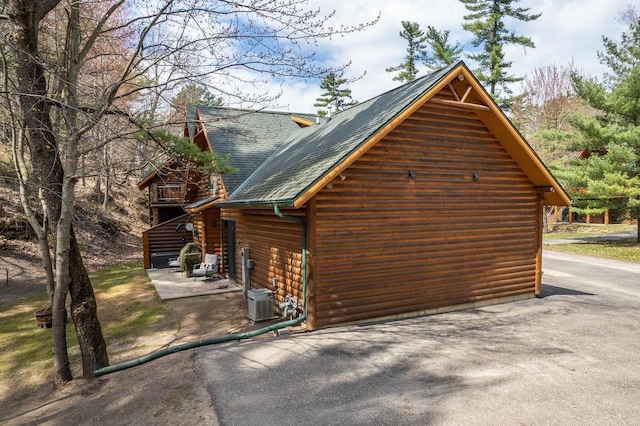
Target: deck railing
<point>167,193</point>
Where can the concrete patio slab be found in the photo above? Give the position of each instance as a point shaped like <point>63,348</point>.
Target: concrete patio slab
<point>174,285</point>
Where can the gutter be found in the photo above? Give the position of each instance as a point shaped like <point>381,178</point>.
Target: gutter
<point>228,203</point>
<point>232,337</point>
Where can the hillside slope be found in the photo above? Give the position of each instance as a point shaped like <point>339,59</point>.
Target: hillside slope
<point>106,237</point>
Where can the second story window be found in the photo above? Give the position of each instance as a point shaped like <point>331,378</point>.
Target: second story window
<point>169,193</point>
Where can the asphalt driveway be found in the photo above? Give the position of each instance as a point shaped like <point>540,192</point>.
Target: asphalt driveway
<point>569,357</point>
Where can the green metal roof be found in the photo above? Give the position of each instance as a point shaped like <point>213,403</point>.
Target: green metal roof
<point>247,137</point>
<point>201,202</point>
<point>312,152</point>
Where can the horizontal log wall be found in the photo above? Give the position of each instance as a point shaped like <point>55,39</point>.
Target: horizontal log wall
<point>214,232</point>
<point>199,230</point>
<point>164,238</point>
<point>275,246</point>
<point>203,187</point>
<point>208,235</point>
<point>387,244</point>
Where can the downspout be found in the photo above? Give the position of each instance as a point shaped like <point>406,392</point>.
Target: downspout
<point>302,223</point>
<point>232,337</point>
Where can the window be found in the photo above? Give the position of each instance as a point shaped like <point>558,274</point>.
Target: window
<point>169,193</point>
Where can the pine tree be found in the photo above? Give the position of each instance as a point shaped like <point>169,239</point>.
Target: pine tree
<point>606,177</point>
<point>487,22</point>
<point>416,40</point>
<point>194,94</point>
<point>334,97</point>
<point>443,52</point>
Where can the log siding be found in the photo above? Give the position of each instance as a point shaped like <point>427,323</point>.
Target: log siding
<point>164,238</point>
<point>386,244</point>
<point>422,200</point>
<point>275,245</point>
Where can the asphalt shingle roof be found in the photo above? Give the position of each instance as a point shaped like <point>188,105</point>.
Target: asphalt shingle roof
<point>313,151</point>
<point>247,137</point>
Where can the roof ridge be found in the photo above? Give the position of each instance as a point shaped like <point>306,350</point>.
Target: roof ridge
<point>249,111</point>
<point>404,86</point>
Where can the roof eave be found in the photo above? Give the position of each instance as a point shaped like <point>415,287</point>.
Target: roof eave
<point>503,128</point>
<point>145,182</point>
<point>197,208</point>
<point>254,203</point>
<point>302,121</point>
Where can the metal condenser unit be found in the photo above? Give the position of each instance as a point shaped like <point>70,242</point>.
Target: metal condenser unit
<point>260,304</point>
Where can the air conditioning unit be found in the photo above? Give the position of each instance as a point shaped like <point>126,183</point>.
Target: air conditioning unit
<point>260,304</point>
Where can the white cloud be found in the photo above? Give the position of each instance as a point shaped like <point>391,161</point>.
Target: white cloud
<point>568,30</point>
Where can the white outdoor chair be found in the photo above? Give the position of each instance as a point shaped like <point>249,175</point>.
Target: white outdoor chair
<point>174,264</point>
<point>206,269</point>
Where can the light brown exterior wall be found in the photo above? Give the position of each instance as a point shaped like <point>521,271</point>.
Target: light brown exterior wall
<point>207,235</point>
<point>275,246</point>
<point>386,244</point>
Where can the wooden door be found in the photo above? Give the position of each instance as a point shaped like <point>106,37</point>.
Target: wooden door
<point>229,247</point>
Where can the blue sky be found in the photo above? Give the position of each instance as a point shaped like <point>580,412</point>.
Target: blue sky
<point>568,31</point>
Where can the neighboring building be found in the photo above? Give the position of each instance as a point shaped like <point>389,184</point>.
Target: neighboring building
<point>422,199</point>
<point>609,216</point>
<point>170,187</point>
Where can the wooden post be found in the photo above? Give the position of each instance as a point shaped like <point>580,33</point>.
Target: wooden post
<point>588,220</point>
<point>311,249</point>
<point>146,260</point>
<point>204,234</point>
<point>606,217</point>
<point>538,278</point>
<point>154,192</point>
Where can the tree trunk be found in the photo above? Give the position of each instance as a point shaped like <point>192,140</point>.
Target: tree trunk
<point>107,178</point>
<point>84,312</point>
<point>61,368</point>
<point>97,186</point>
<point>25,17</point>
<point>83,303</point>
<point>638,233</point>
<point>24,185</point>
<point>41,230</point>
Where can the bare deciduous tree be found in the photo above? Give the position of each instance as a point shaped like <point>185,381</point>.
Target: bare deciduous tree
<point>224,46</point>
<point>546,96</point>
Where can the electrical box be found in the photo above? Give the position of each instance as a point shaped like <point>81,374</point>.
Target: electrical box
<point>260,304</point>
<point>246,271</point>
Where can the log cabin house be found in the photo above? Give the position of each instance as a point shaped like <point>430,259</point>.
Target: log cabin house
<point>246,138</point>
<point>170,187</point>
<point>422,199</point>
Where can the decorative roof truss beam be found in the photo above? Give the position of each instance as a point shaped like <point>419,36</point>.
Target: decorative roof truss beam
<point>460,101</point>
